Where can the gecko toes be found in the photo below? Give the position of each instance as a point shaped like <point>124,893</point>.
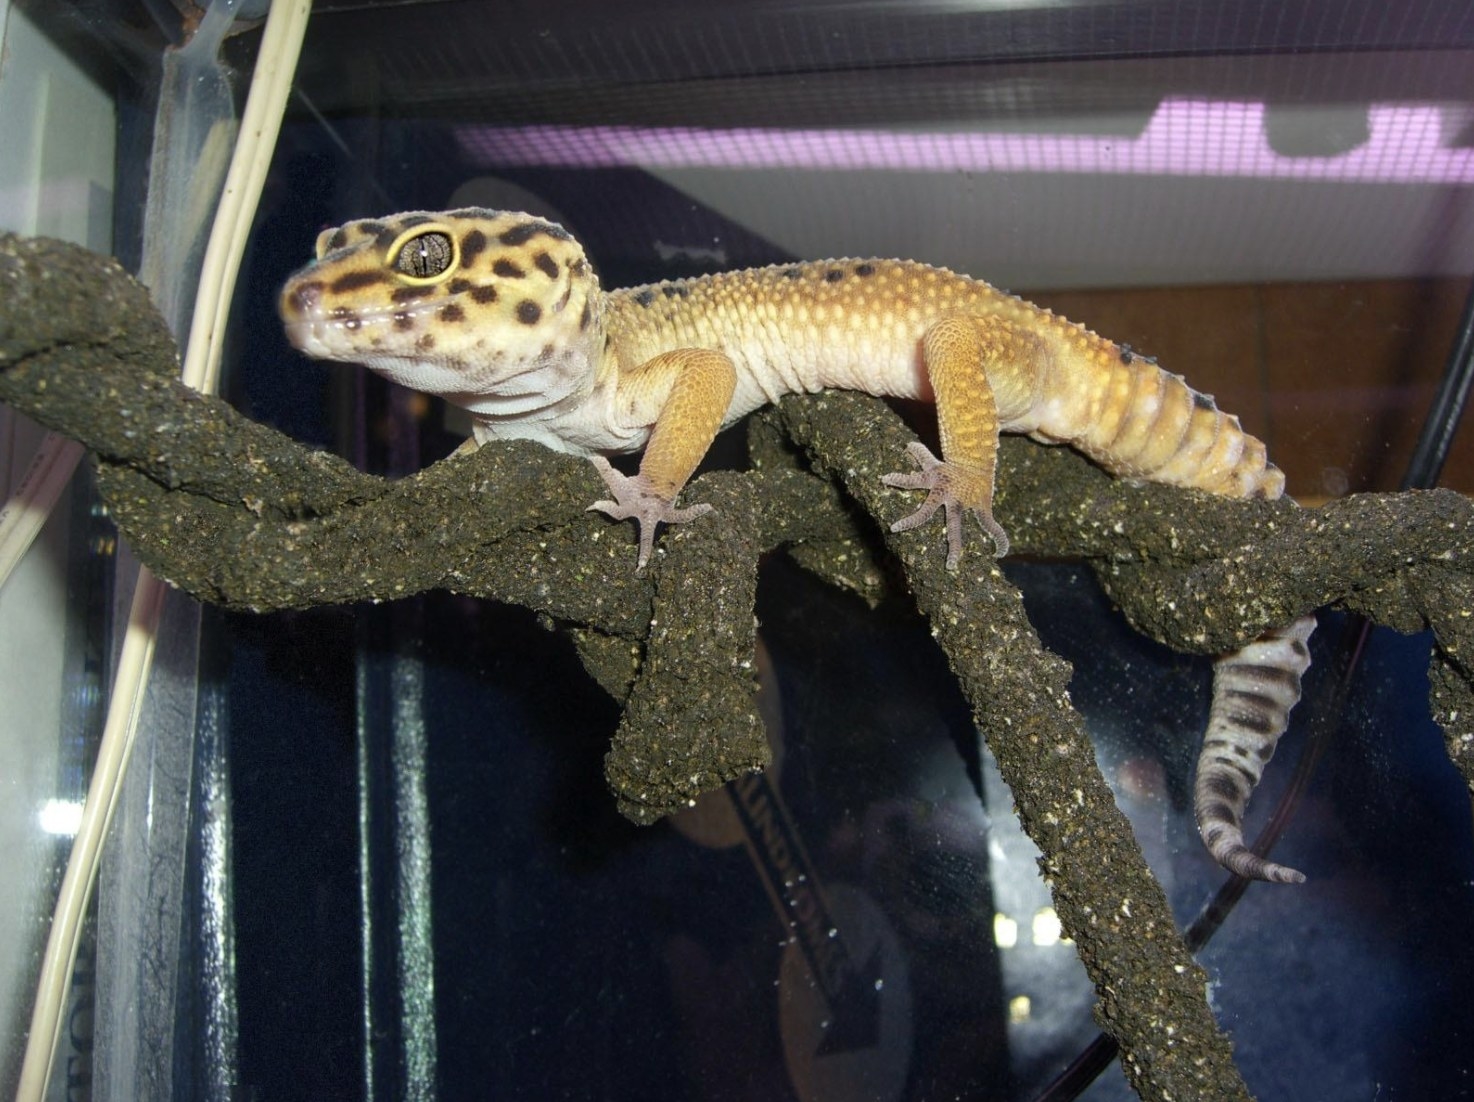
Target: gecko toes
<point>635,500</point>
<point>952,488</point>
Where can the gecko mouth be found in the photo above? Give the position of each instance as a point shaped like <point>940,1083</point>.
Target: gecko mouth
<point>499,382</point>
<point>306,336</point>
<point>342,333</point>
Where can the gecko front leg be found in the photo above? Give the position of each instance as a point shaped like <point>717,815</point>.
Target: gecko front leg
<point>685,393</point>
<point>636,498</point>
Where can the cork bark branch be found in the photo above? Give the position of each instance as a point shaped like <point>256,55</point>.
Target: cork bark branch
<point>237,514</point>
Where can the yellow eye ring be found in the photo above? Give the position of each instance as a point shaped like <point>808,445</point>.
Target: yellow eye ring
<point>424,255</point>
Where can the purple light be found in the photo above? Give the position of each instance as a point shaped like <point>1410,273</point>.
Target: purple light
<point>1184,138</point>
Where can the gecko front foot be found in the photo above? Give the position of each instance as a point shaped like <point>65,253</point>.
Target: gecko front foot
<point>954,488</point>
<point>633,497</point>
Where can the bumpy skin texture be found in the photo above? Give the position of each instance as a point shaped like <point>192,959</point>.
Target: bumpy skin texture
<point>502,314</point>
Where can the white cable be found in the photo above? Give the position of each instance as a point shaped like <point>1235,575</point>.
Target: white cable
<point>23,516</point>
<point>271,84</point>
<point>276,63</point>
<point>102,796</point>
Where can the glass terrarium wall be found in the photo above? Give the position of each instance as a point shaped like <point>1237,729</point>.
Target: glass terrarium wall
<point>58,124</point>
<point>1275,202</point>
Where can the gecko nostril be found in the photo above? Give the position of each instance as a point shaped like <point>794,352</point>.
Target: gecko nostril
<point>306,297</point>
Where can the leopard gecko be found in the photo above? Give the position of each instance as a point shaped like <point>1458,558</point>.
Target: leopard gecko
<point>501,313</point>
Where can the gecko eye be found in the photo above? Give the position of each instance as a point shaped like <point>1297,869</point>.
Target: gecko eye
<point>424,254</point>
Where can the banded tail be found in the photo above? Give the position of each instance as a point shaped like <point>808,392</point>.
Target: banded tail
<point>1254,689</point>
<point>1138,421</point>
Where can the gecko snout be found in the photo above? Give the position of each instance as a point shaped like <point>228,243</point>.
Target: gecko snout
<point>302,299</point>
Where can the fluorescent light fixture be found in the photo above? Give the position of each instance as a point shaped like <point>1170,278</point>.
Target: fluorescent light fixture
<point>1185,137</point>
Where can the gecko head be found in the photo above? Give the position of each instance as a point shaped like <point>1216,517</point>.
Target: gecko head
<point>492,310</point>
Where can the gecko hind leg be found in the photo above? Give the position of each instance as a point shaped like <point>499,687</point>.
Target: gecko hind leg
<point>949,486</point>
<point>1254,689</point>
<point>958,352</point>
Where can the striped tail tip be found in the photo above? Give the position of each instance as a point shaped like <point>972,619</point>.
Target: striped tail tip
<point>1254,689</point>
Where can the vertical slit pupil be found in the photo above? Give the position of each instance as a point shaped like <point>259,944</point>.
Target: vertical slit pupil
<point>425,256</point>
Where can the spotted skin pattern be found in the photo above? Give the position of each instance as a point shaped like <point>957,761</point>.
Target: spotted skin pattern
<point>501,313</point>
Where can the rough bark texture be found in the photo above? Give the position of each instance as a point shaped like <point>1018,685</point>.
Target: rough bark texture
<point>237,514</point>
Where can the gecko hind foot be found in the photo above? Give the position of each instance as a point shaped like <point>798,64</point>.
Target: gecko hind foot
<point>633,498</point>
<point>952,487</point>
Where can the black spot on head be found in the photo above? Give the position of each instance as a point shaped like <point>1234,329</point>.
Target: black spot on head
<point>675,290</point>
<point>355,281</point>
<point>834,275</point>
<point>426,343</point>
<point>409,294</point>
<point>645,297</point>
<point>458,286</point>
<point>404,322</point>
<point>506,269</point>
<point>792,273</point>
<point>587,315</point>
<point>386,237</point>
<point>371,228</point>
<point>523,233</point>
<point>483,294</point>
<point>546,265</point>
<point>528,312</point>
<point>1204,401</point>
<point>472,245</point>
<point>520,234</point>
<point>1127,356</point>
<point>451,312</point>
<point>866,269</point>
<point>338,240</point>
